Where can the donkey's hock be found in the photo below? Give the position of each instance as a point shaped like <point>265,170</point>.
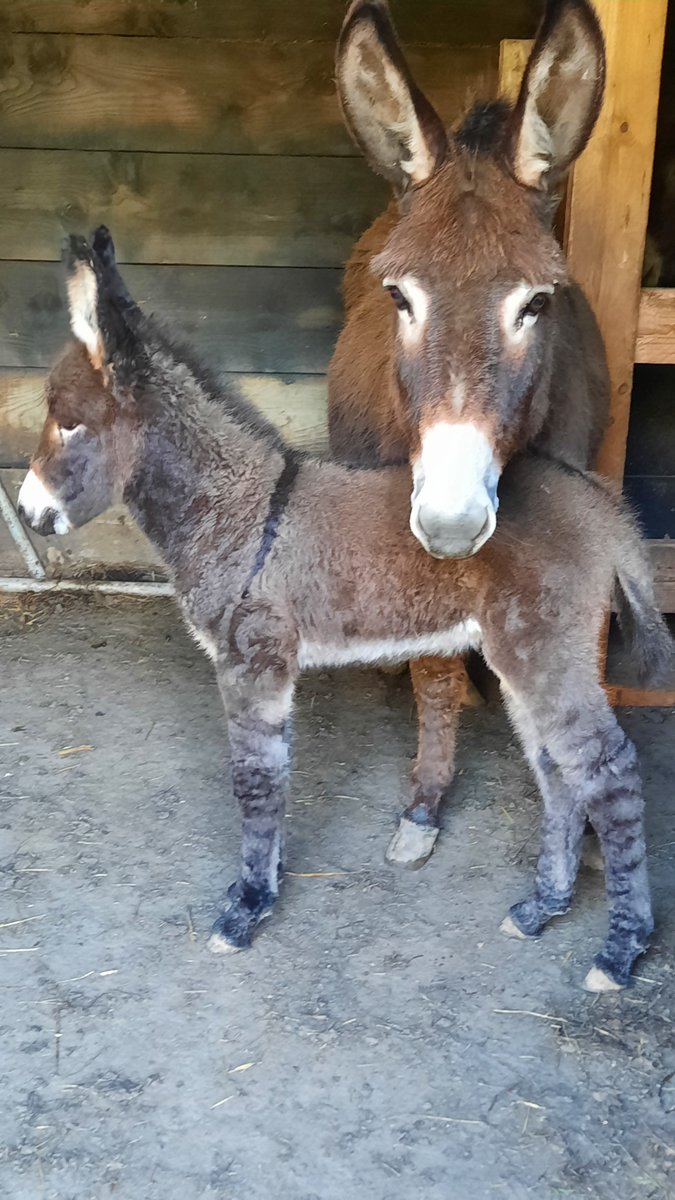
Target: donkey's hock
<point>282,563</point>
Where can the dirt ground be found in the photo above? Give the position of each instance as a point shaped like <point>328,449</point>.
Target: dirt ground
<point>382,1040</point>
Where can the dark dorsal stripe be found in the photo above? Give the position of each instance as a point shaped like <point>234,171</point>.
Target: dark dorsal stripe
<point>277,506</point>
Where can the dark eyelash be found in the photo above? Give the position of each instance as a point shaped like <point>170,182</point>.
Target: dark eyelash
<point>535,305</point>
<point>399,299</point>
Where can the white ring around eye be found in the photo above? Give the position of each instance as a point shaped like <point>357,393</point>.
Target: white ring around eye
<point>411,322</point>
<point>66,434</point>
<point>514,327</point>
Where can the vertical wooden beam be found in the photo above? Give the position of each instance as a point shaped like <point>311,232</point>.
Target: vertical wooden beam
<point>609,198</point>
<point>513,56</point>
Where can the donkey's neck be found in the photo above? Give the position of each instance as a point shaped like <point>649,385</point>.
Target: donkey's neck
<point>202,479</point>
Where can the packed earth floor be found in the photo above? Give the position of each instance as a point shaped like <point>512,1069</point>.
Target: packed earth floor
<point>381,1040</point>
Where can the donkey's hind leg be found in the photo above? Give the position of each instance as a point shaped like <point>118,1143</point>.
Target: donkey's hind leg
<point>439,685</point>
<point>258,719</point>
<point>586,765</point>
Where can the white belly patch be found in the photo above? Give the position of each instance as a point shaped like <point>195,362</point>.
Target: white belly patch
<point>466,635</point>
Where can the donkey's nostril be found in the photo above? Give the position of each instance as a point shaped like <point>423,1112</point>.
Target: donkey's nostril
<point>453,537</point>
<point>45,525</point>
<point>461,529</point>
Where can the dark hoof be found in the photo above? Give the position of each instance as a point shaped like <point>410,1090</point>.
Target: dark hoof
<point>612,968</point>
<point>527,919</point>
<point>412,844</point>
<point>234,930</point>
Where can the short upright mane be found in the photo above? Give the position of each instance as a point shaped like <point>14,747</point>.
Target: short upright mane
<point>484,126</point>
<point>223,395</point>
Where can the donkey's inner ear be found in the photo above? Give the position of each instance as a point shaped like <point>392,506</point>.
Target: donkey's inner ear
<point>82,287</point>
<point>561,94</point>
<point>389,118</point>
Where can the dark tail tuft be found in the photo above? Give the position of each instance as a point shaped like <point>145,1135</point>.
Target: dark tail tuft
<point>644,630</point>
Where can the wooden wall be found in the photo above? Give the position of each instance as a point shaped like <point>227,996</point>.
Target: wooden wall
<point>207,136</point>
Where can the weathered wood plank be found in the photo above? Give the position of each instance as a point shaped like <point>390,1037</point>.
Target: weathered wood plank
<point>253,319</point>
<point>111,545</point>
<point>454,21</point>
<point>295,403</point>
<point>104,93</point>
<point>513,56</point>
<point>188,208</point>
<point>609,199</point>
<point>656,326</point>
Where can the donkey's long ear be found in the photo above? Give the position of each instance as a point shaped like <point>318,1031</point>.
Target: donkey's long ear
<point>561,94</point>
<point>104,253</point>
<point>389,118</point>
<point>97,297</point>
<point>83,297</point>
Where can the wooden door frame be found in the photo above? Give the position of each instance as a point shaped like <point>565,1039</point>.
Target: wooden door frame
<point>604,231</point>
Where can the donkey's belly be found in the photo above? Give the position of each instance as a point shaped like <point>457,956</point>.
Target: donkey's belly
<point>465,635</point>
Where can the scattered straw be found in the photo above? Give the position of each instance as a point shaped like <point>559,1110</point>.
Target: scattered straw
<point>21,950</point>
<point>243,1067</point>
<point>21,921</point>
<point>192,932</point>
<point>73,750</point>
<point>223,1101</point>
<point>315,874</point>
<point>526,1012</point>
<point>445,1120</point>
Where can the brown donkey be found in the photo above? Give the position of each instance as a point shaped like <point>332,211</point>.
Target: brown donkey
<point>281,563</point>
<point>464,340</point>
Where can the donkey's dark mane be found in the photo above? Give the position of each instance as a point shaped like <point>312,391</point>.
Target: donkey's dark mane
<point>483,129</point>
<point>151,335</point>
<point>223,394</point>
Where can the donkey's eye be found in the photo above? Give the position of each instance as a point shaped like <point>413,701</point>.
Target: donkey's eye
<point>534,306</point>
<point>399,299</point>
<point>67,430</point>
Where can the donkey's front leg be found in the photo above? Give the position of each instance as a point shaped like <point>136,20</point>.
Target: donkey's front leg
<point>258,718</point>
<point>440,686</point>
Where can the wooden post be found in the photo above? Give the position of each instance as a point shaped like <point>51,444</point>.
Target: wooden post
<point>609,198</point>
<point>606,214</point>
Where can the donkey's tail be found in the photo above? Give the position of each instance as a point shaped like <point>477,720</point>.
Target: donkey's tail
<point>642,625</point>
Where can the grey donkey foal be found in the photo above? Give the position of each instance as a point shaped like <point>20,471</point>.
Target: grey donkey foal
<point>282,563</point>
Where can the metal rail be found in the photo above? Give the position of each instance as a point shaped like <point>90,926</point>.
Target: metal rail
<point>20,537</point>
<point>109,587</point>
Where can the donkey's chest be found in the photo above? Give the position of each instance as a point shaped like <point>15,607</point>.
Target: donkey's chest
<point>340,652</point>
